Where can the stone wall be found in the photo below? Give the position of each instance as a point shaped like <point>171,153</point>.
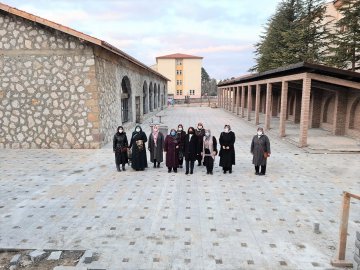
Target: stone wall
<point>57,91</point>
<point>110,73</point>
<point>44,78</point>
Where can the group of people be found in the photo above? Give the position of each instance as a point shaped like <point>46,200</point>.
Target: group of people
<point>194,145</point>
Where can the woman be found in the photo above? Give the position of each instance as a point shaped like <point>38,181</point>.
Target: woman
<point>120,146</point>
<point>227,151</point>
<point>260,149</point>
<point>156,146</point>
<point>209,151</point>
<point>180,135</point>
<point>137,144</point>
<point>190,150</point>
<point>200,133</point>
<point>171,148</point>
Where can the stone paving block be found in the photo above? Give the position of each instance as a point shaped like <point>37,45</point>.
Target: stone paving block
<point>37,255</point>
<point>69,268</point>
<point>55,255</point>
<point>15,260</point>
<point>87,257</point>
<point>358,235</point>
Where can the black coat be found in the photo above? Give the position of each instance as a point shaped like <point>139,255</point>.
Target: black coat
<point>227,156</point>
<point>258,147</point>
<point>120,144</point>
<point>138,158</point>
<point>190,147</point>
<point>200,135</point>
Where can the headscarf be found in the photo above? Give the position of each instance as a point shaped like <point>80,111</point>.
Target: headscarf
<point>173,129</point>
<point>208,140</point>
<point>180,125</point>
<point>135,132</point>
<point>117,131</point>
<point>193,129</point>
<point>155,133</point>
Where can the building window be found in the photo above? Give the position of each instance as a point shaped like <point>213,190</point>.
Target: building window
<point>178,82</point>
<point>179,72</point>
<point>192,92</point>
<point>178,62</point>
<point>179,92</point>
<point>125,110</point>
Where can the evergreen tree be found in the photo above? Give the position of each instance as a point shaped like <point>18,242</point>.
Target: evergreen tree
<point>346,40</point>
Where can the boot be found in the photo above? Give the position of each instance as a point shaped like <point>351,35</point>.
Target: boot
<point>118,168</point>
<point>158,164</point>
<point>169,170</point>
<point>123,167</point>
<point>154,164</point>
<point>175,170</point>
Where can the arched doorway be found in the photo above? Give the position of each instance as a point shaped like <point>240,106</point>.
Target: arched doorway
<point>126,109</point>
<point>354,122</point>
<point>328,111</point>
<point>159,96</point>
<point>145,98</point>
<point>155,96</point>
<point>151,97</point>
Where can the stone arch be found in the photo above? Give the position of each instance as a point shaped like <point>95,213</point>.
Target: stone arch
<point>151,97</point>
<point>155,96</point>
<point>163,96</point>
<point>159,96</point>
<point>126,104</point>
<point>328,111</point>
<point>145,98</point>
<point>354,122</point>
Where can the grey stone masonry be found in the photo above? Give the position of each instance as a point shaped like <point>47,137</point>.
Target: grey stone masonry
<point>60,91</point>
<point>357,251</point>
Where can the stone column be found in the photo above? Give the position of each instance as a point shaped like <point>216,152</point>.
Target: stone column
<point>257,104</point>
<point>283,107</point>
<point>242,101</point>
<point>305,108</point>
<point>237,100</point>
<point>228,98</point>
<point>249,103</point>
<point>234,98</point>
<point>268,106</point>
<point>340,113</point>
<point>297,105</point>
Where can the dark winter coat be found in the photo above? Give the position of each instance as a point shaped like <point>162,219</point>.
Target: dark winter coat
<point>180,135</point>
<point>171,147</point>
<point>138,158</point>
<point>190,147</point>
<point>200,136</point>
<point>120,144</point>
<point>258,147</point>
<point>156,152</point>
<point>227,156</point>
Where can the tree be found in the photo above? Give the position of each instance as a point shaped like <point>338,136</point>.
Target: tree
<point>295,33</point>
<point>346,39</point>
<point>205,81</point>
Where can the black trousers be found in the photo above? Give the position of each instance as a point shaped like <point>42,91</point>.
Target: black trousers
<point>263,169</point>
<point>199,158</point>
<point>119,160</point>
<point>191,164</point>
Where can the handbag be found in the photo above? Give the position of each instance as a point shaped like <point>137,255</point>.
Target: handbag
<point>266,154</point>
<point>124,149</point>
<point>140,144</point>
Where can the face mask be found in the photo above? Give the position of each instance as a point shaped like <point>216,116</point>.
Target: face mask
<point>226,130</point>
<point>259,133</point>
<point>207,134</point>
<point>173,133</point>
<point>200,127</point>
<point>137,130</point>
<point>180,128</point>
<point>120,131</point>
<point>191,132</point>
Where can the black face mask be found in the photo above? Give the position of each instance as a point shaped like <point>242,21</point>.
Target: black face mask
<point>191,132</point>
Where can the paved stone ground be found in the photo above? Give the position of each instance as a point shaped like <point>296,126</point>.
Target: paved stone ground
<point>75,199</point>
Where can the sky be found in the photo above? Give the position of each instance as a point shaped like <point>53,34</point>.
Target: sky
<point>222,31</point>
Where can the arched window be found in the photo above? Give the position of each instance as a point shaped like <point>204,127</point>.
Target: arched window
<point>151,97</point>
<point>354,122</point>
<point>155,96</point>
<point>145,98</point>
<point>125,99</point>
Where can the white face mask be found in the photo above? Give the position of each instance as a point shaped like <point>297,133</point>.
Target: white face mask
<point>226,130</point>
<point>138,130</point>
<point>180,128</point>
<point>120,131</point>
<point>259,133</point>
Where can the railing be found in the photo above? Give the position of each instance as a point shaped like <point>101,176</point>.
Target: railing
<point>340,261</point>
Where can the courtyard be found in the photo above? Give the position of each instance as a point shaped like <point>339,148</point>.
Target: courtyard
<point>76,200</point>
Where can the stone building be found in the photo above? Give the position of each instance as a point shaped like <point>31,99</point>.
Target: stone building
<point>60,88</point>
<point>310,95</point>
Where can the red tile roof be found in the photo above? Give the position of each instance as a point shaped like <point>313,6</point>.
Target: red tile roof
<point>179,56</point>
<point>77,34</point>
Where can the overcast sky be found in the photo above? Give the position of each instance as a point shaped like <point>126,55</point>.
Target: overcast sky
<point>222,31</point>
